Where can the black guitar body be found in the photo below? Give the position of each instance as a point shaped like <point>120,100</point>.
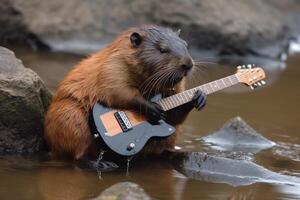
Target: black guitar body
<point>130,139</point>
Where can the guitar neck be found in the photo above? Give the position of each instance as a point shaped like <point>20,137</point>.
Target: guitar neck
<point>176,100</point>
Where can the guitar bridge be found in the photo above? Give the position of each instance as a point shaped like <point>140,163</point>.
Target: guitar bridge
<point>123,121</point>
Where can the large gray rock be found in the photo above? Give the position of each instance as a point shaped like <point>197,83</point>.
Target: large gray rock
<point>123,191</point>
<point>23,102</point>
<point>228,26</point>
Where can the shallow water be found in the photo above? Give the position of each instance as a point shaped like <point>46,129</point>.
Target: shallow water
<point>272,110</point>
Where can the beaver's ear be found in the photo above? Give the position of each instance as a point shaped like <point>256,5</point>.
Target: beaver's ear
<point>136,39</point>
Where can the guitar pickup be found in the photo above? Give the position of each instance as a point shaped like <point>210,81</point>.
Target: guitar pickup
<point>123,121</point>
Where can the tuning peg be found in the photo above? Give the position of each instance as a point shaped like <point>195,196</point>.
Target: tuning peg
<point>263,82</point>
<point>259,84</point>
<point>249,66</point>
<point>239,67</point>
<point>243,66</point>
<point>251,87</point>
<point>255,84</point>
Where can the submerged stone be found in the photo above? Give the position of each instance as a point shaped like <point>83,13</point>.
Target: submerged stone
<point>123,191</point>
<point>204,167</point>
<point>237,135</point>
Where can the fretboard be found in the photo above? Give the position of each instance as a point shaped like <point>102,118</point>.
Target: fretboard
<point>176,100</point>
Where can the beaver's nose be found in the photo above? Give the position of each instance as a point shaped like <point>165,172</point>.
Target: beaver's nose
<point>187,64</point>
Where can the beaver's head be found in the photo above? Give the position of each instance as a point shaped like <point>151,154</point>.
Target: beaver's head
<point>162,55</point>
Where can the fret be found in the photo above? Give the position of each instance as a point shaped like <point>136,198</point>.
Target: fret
<point>171,99</point>
<point>178,99</point>
<point>211,87</point>
<point>227,83</point>
<point>223,82</point>
<point>174,99</point>
<point>163,104</point>
<point>216,85</point>
<point>183,97</point>
<point>235,78</point>
<point>206,89</point>
<point>203,88</point>
<point>189,92</point>
<point>230,81</point>
<point>173,102</point>
<point>229,78</point>
<point>167,102</point>
<point>186,96</point>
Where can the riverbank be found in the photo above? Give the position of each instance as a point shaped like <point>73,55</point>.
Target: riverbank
<point>227,28</point>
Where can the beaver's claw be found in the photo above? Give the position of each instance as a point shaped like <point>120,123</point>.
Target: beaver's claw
<point>199,100</point>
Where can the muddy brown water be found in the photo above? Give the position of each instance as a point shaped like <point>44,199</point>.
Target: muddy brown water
<point>272,110</point>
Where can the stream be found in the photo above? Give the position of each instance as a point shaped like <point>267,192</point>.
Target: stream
<point>272,110</point>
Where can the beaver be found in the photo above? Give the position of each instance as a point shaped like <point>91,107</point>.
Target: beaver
<point>126,74</point>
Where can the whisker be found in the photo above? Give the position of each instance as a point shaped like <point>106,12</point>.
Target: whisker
<point>162,79</point>
<point>155,83</point>
<point>144,87</point>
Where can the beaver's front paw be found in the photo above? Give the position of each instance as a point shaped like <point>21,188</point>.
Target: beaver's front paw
<point>199,100</point>
<point>154,112</point>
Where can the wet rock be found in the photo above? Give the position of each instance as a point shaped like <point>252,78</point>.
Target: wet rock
<point>204,167</point>
<point>23,102</point>
<point>238,27</point>
<point>124,191</point>
<point>237,135</point>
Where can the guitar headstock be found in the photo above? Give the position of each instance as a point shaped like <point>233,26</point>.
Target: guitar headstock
<point>251,75</point>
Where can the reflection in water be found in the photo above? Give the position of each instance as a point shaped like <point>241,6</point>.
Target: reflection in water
<point>98,164</point>
<point>128,165</point>
<point>291,192</point>
<point>272,110</point>
<point>291,151</point>
<point>65,183</point>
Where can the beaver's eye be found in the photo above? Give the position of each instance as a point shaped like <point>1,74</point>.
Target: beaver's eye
<point>164,50</point>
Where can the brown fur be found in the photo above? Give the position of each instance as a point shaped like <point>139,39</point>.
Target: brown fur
<point>111,76</point>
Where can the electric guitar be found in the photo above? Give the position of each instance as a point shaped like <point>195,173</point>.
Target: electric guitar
<point>125,132</point>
